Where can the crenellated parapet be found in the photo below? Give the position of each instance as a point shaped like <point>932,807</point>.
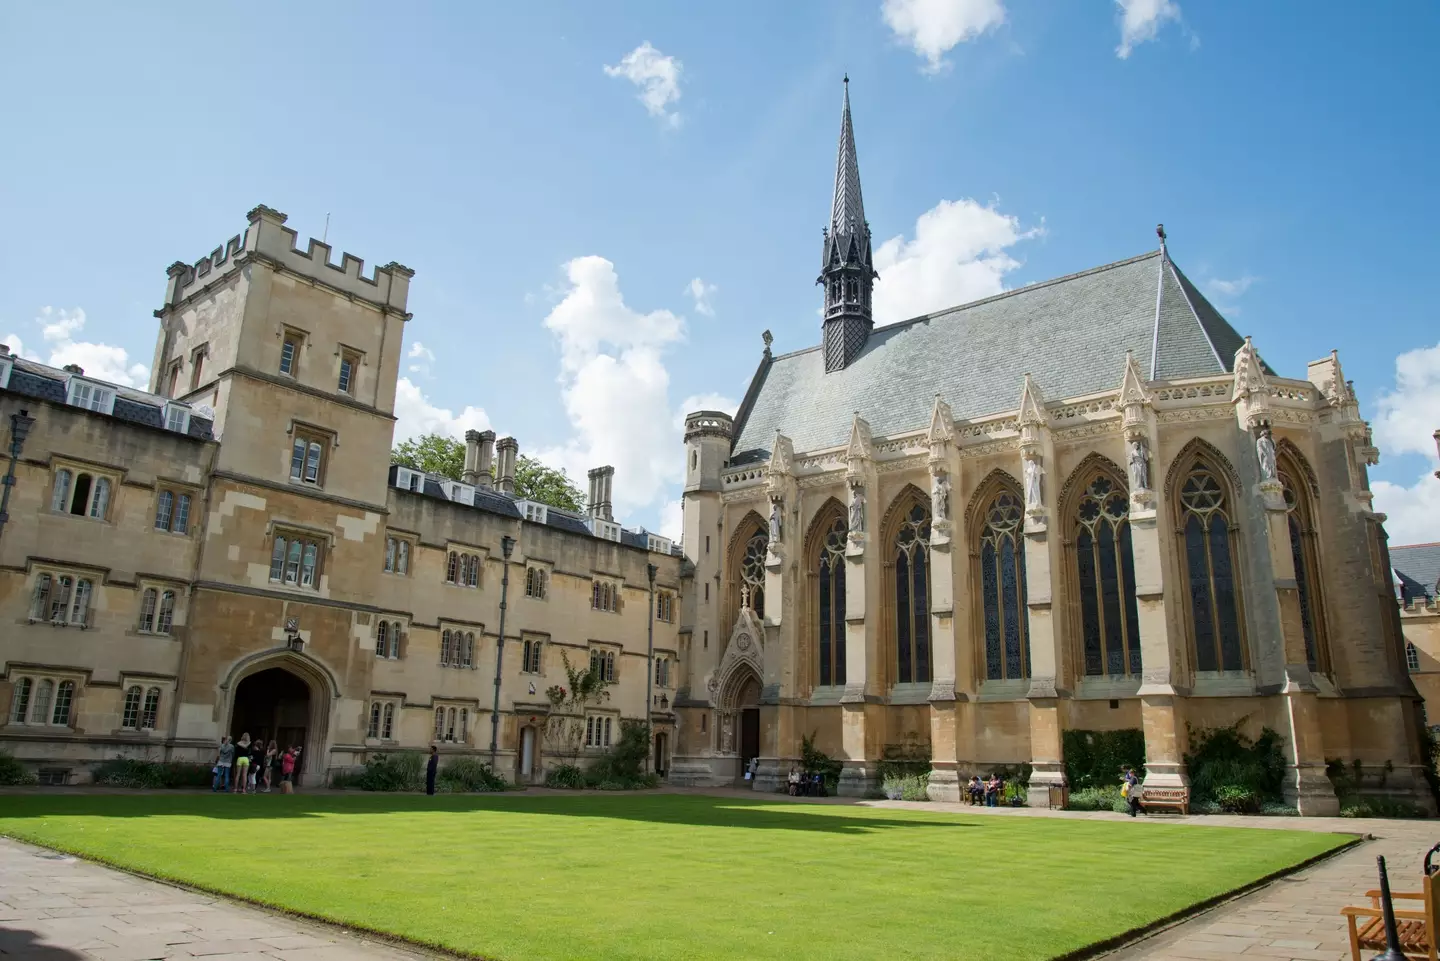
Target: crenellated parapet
<point>267,240</point>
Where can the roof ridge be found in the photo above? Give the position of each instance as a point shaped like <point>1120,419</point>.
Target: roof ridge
<point>1401,547</point>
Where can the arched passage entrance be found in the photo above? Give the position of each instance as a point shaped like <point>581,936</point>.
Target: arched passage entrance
<point>287,699</point>
<point>739,709</point>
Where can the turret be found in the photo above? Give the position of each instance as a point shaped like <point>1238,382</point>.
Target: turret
<point>707,448</point>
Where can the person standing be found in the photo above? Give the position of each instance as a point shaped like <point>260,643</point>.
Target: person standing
<point>242,763</point>
<point>272,757</point>
<point>223,760</point>
<point>257,761</point>
<point>431,768</point>
<point>287,771</point>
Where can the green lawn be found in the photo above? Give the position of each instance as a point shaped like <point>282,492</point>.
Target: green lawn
<point>670,876</point>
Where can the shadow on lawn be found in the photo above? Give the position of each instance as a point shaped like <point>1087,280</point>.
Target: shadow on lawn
<point>652,808</point>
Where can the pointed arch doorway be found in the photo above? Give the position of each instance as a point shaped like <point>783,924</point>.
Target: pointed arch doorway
<point>285,697</point>
<point>739,710</point>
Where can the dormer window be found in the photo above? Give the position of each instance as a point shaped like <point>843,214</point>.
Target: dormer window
<point>605,530</point>
<point>463,493</point>
<point>177,418</point>
<point>533,512</point>
<point>5,364</point>
<point>409,480</point>
<point>660,545</point>
<point>90,395</point>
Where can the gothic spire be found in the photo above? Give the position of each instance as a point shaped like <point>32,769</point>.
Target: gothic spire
<point>846,270</point>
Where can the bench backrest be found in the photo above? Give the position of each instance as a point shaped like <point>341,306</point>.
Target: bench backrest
<point>1165,793</point>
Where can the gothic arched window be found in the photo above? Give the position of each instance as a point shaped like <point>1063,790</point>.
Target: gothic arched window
<point>912,596</point>
<point>1210,570</point>
<point>752,571</point>
<point>1109,616</point>
<point>830,604</point>
<point>1300,519</point>
<point>1002,589</point>
<point>382,639</point>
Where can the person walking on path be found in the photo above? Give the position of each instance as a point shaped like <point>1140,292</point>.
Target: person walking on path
<point>431,767</point>
<point>1130,790</point>
<point>223,760</point>
<point>242,763</point>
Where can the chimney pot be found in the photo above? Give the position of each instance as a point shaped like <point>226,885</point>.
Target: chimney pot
<point>485,453</point>
<point>472,458</point>
<point>75,369</point>
<point>507,448</point>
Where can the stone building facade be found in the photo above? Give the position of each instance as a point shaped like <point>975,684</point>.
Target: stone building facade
<point>232,552</point>
<point>1086,504</point>
<point>1417,587</point>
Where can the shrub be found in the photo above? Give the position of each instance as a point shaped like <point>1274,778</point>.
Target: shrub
<point>815,761</point>
<point>624,764</point>
<point>1094,759</point>
<point>139,773</point>
<point>1015,794</point>
<point>1380,807</point>
<point>1229,769</point>
<point>12,772</point>
<point>565,776</point>
<point>906,787</point>
<point>468,774</point>
<point>904,760</point>
<point>391,772</point>
<point>1106,798</point>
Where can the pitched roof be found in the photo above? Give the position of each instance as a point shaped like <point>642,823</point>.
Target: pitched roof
<point>1417,568</point>
<point>1071,334</point>
<point>43,382</point>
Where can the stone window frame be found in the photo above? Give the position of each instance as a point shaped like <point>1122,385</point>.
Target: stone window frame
<point>532,653</point>
<point>820,545</point>
<point>382,719</point>
<point>324,543</point>
<point>537,582</point>
<point>606,595</point>
<point>298,338</point>
<point>998,483</point>
<point>400,551</point>
<point>454,722</point>
<point>665,606</point>
<point>1078,491</point>
<point>898,536</point>
<point>607,656</point>
<point>665,669</point>
<point>312,467</point>
<point>172,377</point>
<point>65,687</point>
<point>1412,658</point>
<point>463,565</point>
<point>154,618</point>
<point>102,486</point>
<point>1301,493</point>
<point>392,637</point>
<point>140,702</point>
<point>165,515</point>
<point>197,365</point>
<point>601,730</point>
<point>347,369</point>
<point>460,646</point>
<point>80,586</point>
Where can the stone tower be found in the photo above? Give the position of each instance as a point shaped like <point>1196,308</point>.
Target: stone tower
<point>846,269</point>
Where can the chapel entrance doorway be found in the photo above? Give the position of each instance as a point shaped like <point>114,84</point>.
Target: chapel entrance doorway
<point>662,754</point>
<point>273,704</point>
<point>527,755</point>
<point>747,705</point>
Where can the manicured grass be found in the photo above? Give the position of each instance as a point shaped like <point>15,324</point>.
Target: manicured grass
<point>604,876</point>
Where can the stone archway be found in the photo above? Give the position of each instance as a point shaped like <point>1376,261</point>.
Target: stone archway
<point>286,696</point>
<point>738,711</point>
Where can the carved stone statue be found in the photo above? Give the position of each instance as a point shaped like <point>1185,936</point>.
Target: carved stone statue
<point>1265,452</point>
<point>775,522</point>
<point>940,496</point>
<point>1032,483</point>
<point>1139,465</point>
<point>857,509</point>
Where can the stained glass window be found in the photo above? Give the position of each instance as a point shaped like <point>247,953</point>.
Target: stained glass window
<point>912,597</point>
<point>1210,572</point>
<point>1300,520</point>
<point>1002,587</point>
<point>1109,615</point>
<point>831,606</point>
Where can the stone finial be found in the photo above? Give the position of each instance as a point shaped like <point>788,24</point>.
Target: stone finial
<point>1132,384</point>
<point>1249,375</point>
<point>769,339</point>
<point>860,446</point>
<point>262,212</point>
<point>782,455</point>
<point>1032,404</point>
<point>942,422</point>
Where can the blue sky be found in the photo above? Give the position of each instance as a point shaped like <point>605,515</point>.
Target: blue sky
<point>562,218</point>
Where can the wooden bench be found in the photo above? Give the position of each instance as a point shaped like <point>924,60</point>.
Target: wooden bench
<point>1417,929</point>
<point>1165,797</point>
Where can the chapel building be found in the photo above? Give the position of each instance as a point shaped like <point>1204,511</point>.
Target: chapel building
<point>1082,505</point>
<point>232,551</point>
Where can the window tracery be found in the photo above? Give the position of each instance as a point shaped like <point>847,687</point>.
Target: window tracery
<point>1002,589</point>
<point>1210,571</point>
<point>911,592</point>
<point>830,605</point>
<point>1109,614</point>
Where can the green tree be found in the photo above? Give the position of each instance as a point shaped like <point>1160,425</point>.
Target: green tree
<point>534,480</point>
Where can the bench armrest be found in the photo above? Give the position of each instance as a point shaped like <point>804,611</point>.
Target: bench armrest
<point>1413,895</point>
<point>1353,912</point>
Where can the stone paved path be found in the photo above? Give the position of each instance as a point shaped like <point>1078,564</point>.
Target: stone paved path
<point>58,908</point>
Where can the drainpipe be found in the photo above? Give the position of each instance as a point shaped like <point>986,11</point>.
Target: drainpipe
<point>507,544</point>
<point>650,571</point>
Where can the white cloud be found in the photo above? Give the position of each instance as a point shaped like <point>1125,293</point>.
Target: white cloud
<point>58,330</point>
<point>959,254</point>
<point>1141,20</point>
<point>658,78</point>
<point>613,383</point>
<point>1408,415</point>
<point>415,415</point>
<point>701,293</point>
<point>934,27</point>
<point>422,356</point>
<point>16,345</point>
<point>672,519</point>
<point>1229,288</point>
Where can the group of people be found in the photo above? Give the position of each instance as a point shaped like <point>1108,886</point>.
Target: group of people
<point>254,766</point>
<point>805,784</point>
<point>988,792</point>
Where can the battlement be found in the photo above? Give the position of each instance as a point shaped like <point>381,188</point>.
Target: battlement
<point>708,423</point>
<point>267,240</point>
<point>1420,606</point>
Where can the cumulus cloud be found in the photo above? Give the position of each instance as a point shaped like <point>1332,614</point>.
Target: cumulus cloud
<point>416,415</point>
<point>934,27</point>
<point>701,292</point>
<point>658,78</point>
<point>1141,20</point>
<point>959,253</point>
<point>614,383</point>
<point>59,329</point>
<point>1407,416</point>
<point>1229,288</point>
<point>421,358</point>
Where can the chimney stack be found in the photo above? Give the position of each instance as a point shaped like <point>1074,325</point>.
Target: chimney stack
<point>601,479</point>
<point>472,457</point>
<point>4,350</point>
<point>75,369</point>
<point>507,448</point>
<point>484,456</point>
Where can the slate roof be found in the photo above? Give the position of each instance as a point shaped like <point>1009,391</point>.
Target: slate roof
<point>31,379</point>
<point>1417,568</point>
<point>493,501</point>
<point>1071,334</point>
